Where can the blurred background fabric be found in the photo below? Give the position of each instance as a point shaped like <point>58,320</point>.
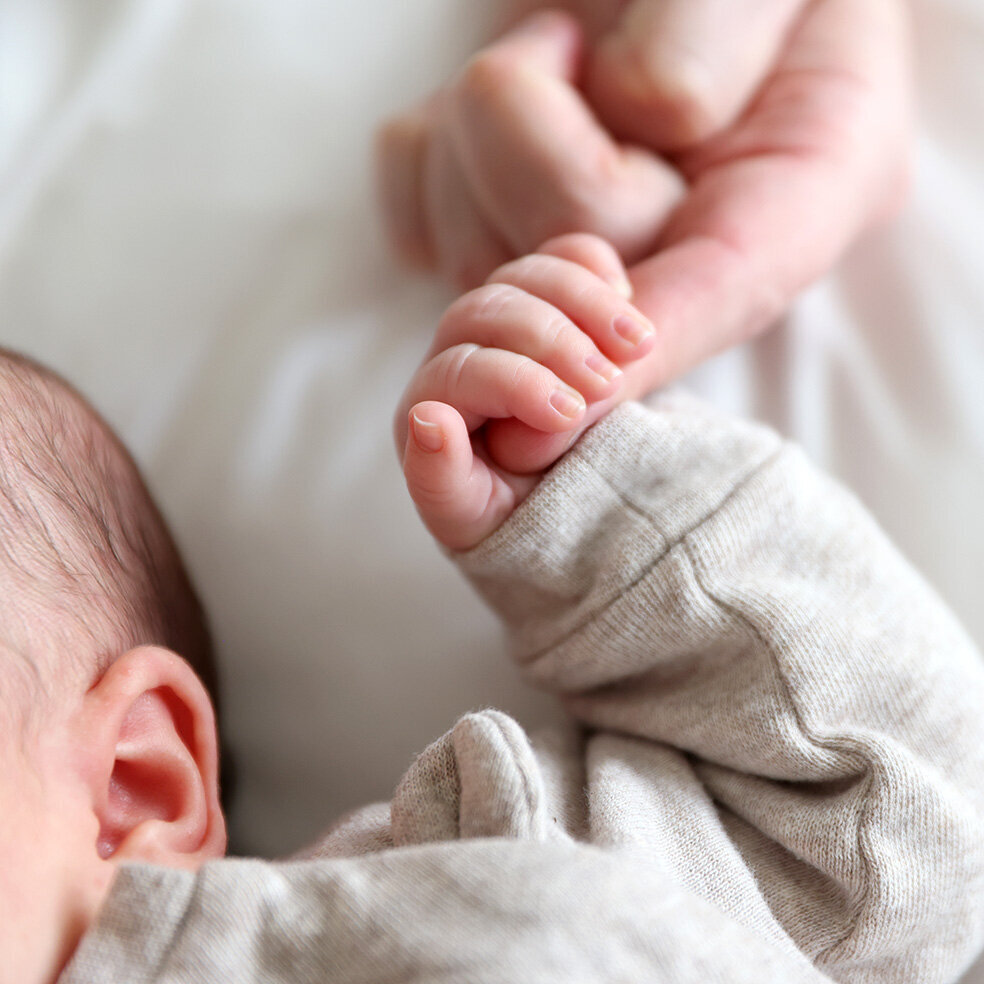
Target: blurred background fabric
<point>187,232</point>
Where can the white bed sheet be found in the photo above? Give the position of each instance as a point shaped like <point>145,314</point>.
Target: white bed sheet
<point>186,231</point>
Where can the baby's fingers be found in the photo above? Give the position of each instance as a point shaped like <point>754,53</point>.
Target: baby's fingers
<point>459,498</point>
<point>482,383</point>
<point>618,328</point>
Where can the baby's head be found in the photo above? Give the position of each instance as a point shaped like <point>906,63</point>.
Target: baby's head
<point>107,738</point>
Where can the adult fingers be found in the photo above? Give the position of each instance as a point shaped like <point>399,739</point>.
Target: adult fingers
<point>670,73</point>
<point>774,201</point>
<point>465,246</point>
<point>535,181</point>
<point>428,210</point>
<point>777,199</point>
<point>400,154</point>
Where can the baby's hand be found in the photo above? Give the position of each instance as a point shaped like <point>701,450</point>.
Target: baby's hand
<point>537,348</point>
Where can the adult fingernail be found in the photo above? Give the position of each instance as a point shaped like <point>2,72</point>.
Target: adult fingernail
<point>428,435</point>
<point>634,331</point>
<point>600,366</point>
<point>567,402</point>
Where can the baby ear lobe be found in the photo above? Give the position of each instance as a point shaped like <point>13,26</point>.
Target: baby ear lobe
<point>155,774</point>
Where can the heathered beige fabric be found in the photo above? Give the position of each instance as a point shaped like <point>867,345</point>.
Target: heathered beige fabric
<point>781,777</point>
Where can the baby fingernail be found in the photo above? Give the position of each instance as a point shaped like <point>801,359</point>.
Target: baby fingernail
<point>567,402</point>
<point>600,366</point>
<point>632,330</point>
<point>429,436</point>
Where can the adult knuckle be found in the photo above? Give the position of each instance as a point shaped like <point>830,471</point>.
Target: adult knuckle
<point>690,108</point>
<point>590,197</point>
<point>583,193</point>
<point>681,88</point>
<point>485,75</point>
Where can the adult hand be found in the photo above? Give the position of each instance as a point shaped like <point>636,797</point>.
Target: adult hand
<point>787,119</point>
<point>509,155</point>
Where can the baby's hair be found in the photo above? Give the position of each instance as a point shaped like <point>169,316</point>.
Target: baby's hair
<point>88,568</point>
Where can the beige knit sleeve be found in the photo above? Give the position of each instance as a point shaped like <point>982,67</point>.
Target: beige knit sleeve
<point>694,581</point>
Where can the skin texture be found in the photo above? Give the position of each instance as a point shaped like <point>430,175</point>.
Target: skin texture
<point>108,744</point>
<point>123,771</point>
<point>555,322</point>
<point>730,159</point>
<point>731,153</point>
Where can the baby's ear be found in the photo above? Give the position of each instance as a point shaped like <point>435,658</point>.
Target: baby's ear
<point>151,756</point>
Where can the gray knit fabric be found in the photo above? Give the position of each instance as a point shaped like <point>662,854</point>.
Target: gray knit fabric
<point>774,769</point>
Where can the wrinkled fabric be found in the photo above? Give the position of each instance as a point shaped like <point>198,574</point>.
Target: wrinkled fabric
<point>773,770</point>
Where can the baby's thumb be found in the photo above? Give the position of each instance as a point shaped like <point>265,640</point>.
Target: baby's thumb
<point>453,491</point>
